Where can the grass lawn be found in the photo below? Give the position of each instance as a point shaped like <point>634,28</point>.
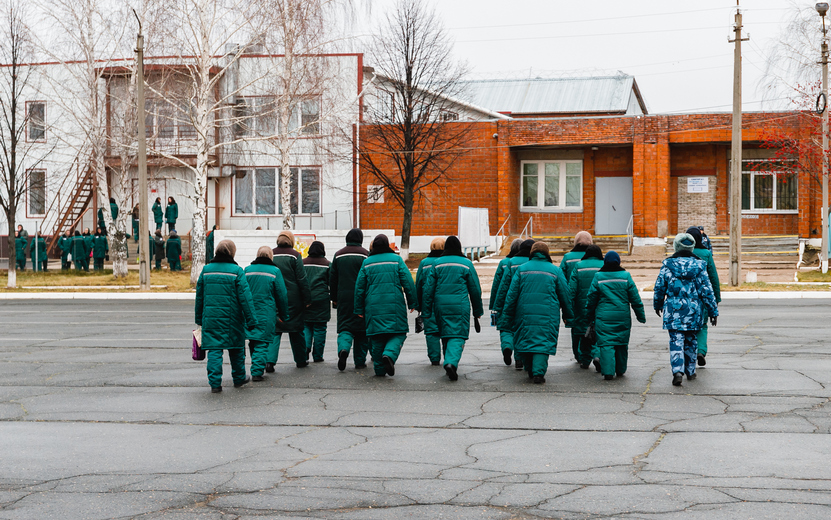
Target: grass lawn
<point>177,281</point>
<point>814,276</point>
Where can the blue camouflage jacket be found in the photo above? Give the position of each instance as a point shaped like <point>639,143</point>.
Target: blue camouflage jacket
<point>682,291</point>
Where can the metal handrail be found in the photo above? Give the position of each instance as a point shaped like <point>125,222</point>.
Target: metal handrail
<point>500,236</point>
<point>529,226</point>
<point>630,233</point>
<point>49,214</point>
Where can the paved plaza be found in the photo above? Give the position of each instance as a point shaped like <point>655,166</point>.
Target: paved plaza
<point>104,415</point>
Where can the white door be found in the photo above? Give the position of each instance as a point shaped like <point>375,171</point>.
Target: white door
<point>613,205</point>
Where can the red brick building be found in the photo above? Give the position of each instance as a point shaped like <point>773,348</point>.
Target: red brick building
<point>664,172</point>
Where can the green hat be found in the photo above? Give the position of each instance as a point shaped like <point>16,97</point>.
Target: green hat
<point>683,242</point>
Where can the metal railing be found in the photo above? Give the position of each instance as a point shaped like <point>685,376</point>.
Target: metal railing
<point>630,234</point>
<point>528,230</point>
<point>501,235</point>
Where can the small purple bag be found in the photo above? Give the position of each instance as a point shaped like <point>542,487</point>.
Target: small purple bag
<point>198,353</point>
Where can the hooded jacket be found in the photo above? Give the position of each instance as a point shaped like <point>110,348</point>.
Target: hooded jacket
<point>268,293</point>
<point>500,271</point>
<point>158,214</point>
<point>583,272</point>
<point>20,247</point>
<point>173,248</point>
<point>451,288</point>
<point>343,273</point>
<point>317,273</point>
<point>521,257</point>
<point>39,246</point>
<point>224,307</point>
<point>537,295</point>
<point>381,288</point>
<point>611,294</point>
<point>683,291</point>
<point>171,213</point>
<point>100,247</point>
<point>424,269</point>
<point>290,264</point>
<point>702,252</point>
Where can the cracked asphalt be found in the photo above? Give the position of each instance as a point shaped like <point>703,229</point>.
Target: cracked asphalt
<point>104,415</point>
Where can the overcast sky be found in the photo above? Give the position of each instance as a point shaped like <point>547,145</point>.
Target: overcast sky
<point>677,51</point>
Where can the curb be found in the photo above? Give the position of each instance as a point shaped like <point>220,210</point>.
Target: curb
<point>762,295</point>
<point>97,296</point>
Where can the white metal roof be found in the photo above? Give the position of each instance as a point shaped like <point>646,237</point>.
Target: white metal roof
<point>557,95</point>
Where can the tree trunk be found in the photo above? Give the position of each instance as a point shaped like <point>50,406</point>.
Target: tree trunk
<point>200,211</point>
<point>118,246</point>
<point>12,282</point>
<point>406,225</point>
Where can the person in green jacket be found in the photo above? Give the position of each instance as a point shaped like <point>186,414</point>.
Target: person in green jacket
<point>100,249</point>
<point>88,240</point>
<point>136,221</point>
<point>158,248</point>
<point>209,246</point>
<point>171,214</point>
<point>173,250</point>
<point>113,213</point>
<point>158,214</point>
<point>582,240</point>
<point>290,264</point>
<point>343,273</point>
<point>497,277</point>
<point>705,254</point>
<point>20,246</point>
<point>611,294</point>
<point>379,298</point>
<point>65,244</point>
<point>582,275</point>
<point>431,330</point>
<point>535,299</point>
<point>268,292</point>
<point>452,287</point>
<point>318,314</point>
<point>79,251</point>
<point>38,252</point>
<point>225,311</point>
<point>506,332</point>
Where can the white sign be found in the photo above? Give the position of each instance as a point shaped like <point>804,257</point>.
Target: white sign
<point>698,184</point>
<point>474,227</point>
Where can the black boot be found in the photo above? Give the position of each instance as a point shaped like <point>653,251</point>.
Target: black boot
<point>608,377</point>
<point>269,367</point>
<point>343,355</point>
<point>506,357</point>
<point>701,360</point>
<point>538,380</point>
<point>596,363</point>
<point>389,366</point>
<point>451,372</point>
<point>677,378</point>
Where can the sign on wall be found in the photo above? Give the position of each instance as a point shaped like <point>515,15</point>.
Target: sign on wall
<point>698,184</point>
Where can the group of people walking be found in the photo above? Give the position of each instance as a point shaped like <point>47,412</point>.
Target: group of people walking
<point>282,293</point>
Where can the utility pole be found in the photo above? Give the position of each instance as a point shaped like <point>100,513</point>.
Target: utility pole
<point>144,231</point>
<point>736,160</point>
<point>822,9</point>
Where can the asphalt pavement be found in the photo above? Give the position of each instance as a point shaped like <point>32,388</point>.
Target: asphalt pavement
<point>104,415</point>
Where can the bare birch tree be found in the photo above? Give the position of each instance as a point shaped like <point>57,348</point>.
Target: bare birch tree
<point>21,130</point>
<point>411,143</point>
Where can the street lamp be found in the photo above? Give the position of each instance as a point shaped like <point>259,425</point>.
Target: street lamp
<point>822,9</point>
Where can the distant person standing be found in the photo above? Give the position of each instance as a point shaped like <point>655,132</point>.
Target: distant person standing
<point>343,274</point>
<point>158,248</point>
<point>209,245</point>
<point>100,249</point>
<point>173,249</point>
<point>703,253</point>
<point>88,241</point>
<point>536,297</point>
<point>136,222</point>
<point>380,291</point>
<point>225,311</point>
<point>682,292</point>
<point>65,243</point>
<point>610,296</point>
<point>317,315</point>
<point>290,264</point>
<point>158,214</point>
<point>270,304</point>
<point>38,253</point>
<point>113,212</point>
<point>171,214</point>
<point>21,244</point>
<point>22,232</point>
<point>431,330</point>
<point>80,254</point>
<point>451,291</point>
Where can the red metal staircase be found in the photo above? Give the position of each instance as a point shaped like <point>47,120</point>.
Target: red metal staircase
<point>71,203</point>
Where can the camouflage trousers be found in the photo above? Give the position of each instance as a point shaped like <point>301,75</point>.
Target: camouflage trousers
<point>683,351</point>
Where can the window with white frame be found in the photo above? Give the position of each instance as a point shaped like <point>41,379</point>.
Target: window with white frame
<point>260,116</point>
<point>552,185</point>
<point>36,192</point>
<point>257,191</point>
<point>36,120</point>
<point>165,121</point>
<point>769,185</point>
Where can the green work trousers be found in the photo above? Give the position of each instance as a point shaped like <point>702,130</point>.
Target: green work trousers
<point>613,359</point>
<point>702,337</point>
<point>453,348</point>
<point>575,343</point>
<point>237,357</point>
<point>382,345</point>
<point>315,335</point>
<point>587,351</point>
<point>506,340</point>
<point>65,264</point>
<point>345,341</point>
<point>20,264</point>
<point>433,347</point>
<point>259,352</point>
<point>298,348</point>
<point>535,364</point>
<point>159,263</point>
<point>175,265</point>
<point>99,264</point>
<point>80,264</point>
